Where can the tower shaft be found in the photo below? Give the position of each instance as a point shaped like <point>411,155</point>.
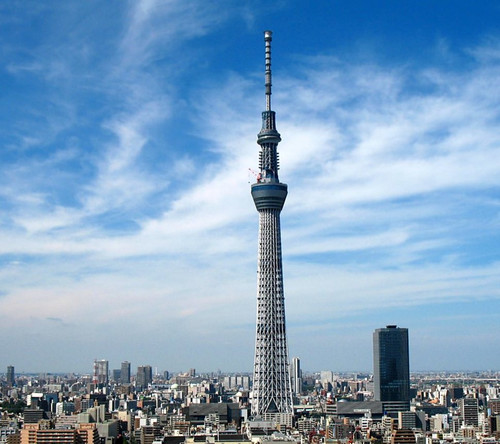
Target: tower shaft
<point>271,378</point>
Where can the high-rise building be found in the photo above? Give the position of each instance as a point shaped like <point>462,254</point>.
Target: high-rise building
<point>116,374</point>
<point>391,368</point>
<point>101,372</point>
<point>125,373</point>
<point>469,411</point>
<point>271,378</point>
<point>10,376</point>
<point>296,376</point>
<point>144,376</point>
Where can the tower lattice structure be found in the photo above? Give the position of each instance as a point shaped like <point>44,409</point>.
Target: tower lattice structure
<point>271,378</point>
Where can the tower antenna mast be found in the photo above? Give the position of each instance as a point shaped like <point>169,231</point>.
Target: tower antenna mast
<point>268,37</point>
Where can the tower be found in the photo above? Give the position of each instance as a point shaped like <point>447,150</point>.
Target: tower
<point>125,372</point>
<point>10,376</point>
<point>144,377</point>
<point>469,411</point>
<point>296,376</point>
<point>271,378</point>
<point>391,369</point>
<point>101,372</point>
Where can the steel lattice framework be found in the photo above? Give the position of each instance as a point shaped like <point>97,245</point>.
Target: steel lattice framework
<point>271,378</point>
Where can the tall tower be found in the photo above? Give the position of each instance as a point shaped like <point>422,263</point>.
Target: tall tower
<point>144,376</point>
<point>101,372</point>
<point>125,372</point>
<point>296,376</point>
<point>10,376</point>
<point>271,378</point>
<point>391,368</point>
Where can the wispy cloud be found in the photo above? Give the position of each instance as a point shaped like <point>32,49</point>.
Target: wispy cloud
<point>131,201</point>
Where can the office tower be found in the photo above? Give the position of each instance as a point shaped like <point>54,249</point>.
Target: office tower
<point>469,411</point>
<point>144,376</point>
<point>117,374</point>
<point>125,372</point>
<point>391,369</point>
<point>101,372</point>
<point>296,376</point>
<point>271,379</point>
<point>10,376</point>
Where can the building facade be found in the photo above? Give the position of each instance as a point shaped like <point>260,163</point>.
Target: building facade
<point>144,376</point>
<point>391,368</point>
<point>10,376</point>
<point>296,376</point>
<point>125,373</point>
<point>469,411</point>
<point>101,372</point>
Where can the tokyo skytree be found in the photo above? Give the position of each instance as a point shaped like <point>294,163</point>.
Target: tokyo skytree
<point>271,378</point>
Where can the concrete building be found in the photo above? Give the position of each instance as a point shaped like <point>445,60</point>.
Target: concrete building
<point>296,376</point>
<point>39,434</point>
<point>144,376</point>
<point>11,380</point>
<point>403,436</point>
<point>101,372</point>
<point>116,375</point>
<point>125,373</point>
<point>88,433</point>
<point>236,382</point>
<point>469,411</point>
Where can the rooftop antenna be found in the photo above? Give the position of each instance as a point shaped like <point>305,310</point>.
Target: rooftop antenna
<point>268,37</point>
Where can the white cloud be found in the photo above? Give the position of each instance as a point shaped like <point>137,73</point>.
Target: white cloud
<point>389,171</point>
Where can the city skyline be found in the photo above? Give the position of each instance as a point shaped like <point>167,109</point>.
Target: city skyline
<point>128,232</point>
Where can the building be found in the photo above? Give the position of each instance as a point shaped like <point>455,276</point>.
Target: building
<point>125,373</point>
<point>33,416</point>
<point>39,434</point>
<point>272,392</point>
<point>101,372</point>
<point>117,375</point>
<point>236,382</point>
<point>144,376</point>
<point>407,420</point>
<point>10,376</point>
<point>391,369</point>
<point>403,436</point>
<point>88,433</point>
<point>469,411</point>
<point>13,439</point>
<point>296,376</point>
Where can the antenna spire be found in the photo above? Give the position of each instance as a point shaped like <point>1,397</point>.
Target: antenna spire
<point>268,37</point>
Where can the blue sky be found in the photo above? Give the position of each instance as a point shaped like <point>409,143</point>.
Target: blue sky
<point>127,229</point>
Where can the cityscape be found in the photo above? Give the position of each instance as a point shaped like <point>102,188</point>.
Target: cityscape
<point>146,405</point>
<point>432,376</point>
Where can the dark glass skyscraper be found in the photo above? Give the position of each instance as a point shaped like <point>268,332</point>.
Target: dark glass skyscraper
<point>391,367</point>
